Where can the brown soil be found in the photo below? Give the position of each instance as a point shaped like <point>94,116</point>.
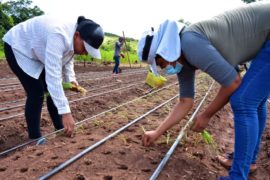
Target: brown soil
<point>121,157</point>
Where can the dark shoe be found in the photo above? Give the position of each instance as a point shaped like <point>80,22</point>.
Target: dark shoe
<point>224,178</point>
<point>227,162</point>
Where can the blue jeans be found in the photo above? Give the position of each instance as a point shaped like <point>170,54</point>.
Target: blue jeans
<point>116,66</point>
<point>249,104</point>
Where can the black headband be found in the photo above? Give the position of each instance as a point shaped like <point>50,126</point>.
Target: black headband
<point>146,48</point>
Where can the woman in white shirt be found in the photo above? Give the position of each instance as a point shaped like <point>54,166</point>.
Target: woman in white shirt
<point>39,51</point>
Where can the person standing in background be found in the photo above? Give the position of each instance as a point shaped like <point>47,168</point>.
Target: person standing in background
<point>118,54</point>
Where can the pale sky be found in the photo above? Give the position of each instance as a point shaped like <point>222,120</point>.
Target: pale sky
<point>136,16</point>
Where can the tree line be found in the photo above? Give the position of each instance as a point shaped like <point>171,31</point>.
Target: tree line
<point>15,11</point>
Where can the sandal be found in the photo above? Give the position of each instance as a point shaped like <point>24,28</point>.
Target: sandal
<point>227,162</point>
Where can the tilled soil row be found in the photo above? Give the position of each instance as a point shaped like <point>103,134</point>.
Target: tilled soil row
<point>121,158</point>
<point>90,87</point>
<point>95,130</point>
<point>13,131</point>
<point>10,94</point>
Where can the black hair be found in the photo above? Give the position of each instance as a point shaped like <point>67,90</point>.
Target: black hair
<point>90,31</point>
<point>80,19</point>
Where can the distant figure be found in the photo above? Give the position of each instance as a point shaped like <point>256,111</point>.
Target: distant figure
<point>118,54</point>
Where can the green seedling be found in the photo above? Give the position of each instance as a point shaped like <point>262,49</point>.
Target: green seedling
<point>143,129</point>
<point>208,139</point>
<point>70,86</point>
<point>98,123</point>
<point>168,138</point>
<point>108,113</point>
<point>167,109</point>
<point>80,128</point>
<point>123,138</point>
<point>67,85</point>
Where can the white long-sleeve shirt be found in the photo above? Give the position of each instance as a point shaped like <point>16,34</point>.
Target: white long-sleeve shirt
<point>44,42</point>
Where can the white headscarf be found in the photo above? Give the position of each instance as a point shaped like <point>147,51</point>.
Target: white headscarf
<point>166,43</point>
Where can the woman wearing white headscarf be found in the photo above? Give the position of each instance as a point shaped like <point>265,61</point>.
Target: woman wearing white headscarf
<point>217,46</point>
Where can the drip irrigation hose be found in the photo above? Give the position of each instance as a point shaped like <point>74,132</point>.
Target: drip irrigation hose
<point>93,88</point>
<point>81,79</point>
<point>83,121</point>
<point>79,99</point>
<point>92,147</point>
<point>178,139</point>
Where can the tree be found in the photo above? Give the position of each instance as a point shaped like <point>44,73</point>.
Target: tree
<point>248,1</point>
<point>20,10</point>
<point>185,22</point>
<point>6,23</point>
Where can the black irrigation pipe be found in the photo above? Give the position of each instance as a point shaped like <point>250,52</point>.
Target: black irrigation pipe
<point>7,78</point>
<point>69,95</point>
<point>92,147</point>
<point>78,75</point>
<point>85,120</point>
<point>93,88</point>
<point>79,99</point>
<point>110,76</point>
<point>8,84</point>
<point>81,79</point>
<point>178,139</point>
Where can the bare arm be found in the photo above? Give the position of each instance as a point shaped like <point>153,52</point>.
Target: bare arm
<point>220,100</point>
<point>179,112</point>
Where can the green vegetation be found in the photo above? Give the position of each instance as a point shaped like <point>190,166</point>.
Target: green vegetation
<point>107,50</point>
<point>248,1</point>
<point>13,12</point>
<point>1,54</point>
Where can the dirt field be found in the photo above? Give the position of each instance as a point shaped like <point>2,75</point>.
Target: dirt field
<point>111,103</point>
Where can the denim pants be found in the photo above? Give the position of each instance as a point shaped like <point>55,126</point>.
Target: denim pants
<point>35,89</point>
<point>117,63</point>
<point>249,104</point>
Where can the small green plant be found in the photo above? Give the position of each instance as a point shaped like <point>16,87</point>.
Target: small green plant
<point>143,129</point>
<point>80,128</point>
<point>98,123</point>
<point>208,139</point>
<point>123,138</point>
<point>168,138</point>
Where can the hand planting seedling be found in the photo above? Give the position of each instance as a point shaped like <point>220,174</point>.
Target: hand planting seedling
<point>73,87</point>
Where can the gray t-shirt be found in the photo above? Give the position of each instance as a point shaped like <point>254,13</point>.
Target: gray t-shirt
<point>238,34</point>
<point>117,48</point>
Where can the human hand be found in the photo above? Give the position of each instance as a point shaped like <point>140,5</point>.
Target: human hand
<point>200,122</point>
<point>149,137</point>
<point>68,123</point>
<point>75,83</point>
<point>76,87</point>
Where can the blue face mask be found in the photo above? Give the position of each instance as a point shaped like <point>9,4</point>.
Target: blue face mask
<point>173,70</point>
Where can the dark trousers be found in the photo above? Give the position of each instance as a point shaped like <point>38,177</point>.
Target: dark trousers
<point>35,89</point>
<point>116,65</point>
